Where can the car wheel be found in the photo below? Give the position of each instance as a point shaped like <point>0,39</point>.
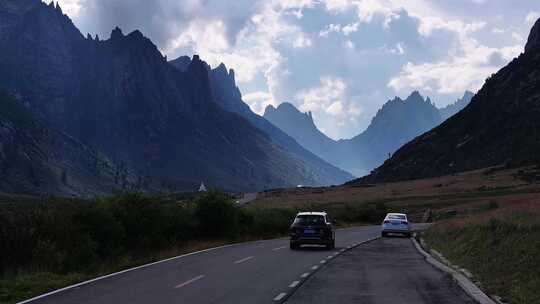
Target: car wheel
<point>331,245</point>
<point>408,234</point>
<point>383,234</point>
<point>293,246</point>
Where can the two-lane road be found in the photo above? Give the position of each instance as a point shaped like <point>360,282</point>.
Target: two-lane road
<point>255,272</point>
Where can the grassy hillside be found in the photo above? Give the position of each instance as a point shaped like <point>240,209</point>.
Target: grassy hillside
<point>500,247</point>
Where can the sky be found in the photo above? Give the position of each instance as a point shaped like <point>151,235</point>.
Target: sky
<point>340,59</point>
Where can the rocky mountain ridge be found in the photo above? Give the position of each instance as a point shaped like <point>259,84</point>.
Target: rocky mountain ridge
<point>397,122</point>
<point>121,97</point>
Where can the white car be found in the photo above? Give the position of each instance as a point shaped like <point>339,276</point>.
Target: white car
<point>396,223</point>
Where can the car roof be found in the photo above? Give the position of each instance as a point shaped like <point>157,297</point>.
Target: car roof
<point>311,213</point>
<point>401,214</point>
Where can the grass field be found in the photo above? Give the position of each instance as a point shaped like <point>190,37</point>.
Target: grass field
<point>500,247</point>
<point>461,193</point>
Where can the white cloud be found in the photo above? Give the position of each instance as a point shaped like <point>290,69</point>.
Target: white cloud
<point>349,44</point>
<point>336,108</point>
<point>531,17</point>
<point>350,28</point>
<point>330,91</point>
<point>207,37</point>
<point>398,49</point>
<point>71,7</point>
<point>302,41</point>
<point>354,110</point>
<point>258,101</point>
<point>454,74</point>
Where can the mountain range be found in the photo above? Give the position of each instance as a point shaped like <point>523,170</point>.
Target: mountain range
<point>396,123</point>
<point>172,125</point>
<point>500,126</point>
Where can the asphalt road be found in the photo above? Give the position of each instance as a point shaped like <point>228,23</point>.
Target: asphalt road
<point>256,272</point>
<point>387,270</point>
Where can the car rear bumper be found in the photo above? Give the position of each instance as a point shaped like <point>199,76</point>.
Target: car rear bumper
<point>386,230</point>
<point>311,241</point>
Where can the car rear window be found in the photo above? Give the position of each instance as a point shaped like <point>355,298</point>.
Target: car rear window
<point>309,220</point>
<point>397,217</point>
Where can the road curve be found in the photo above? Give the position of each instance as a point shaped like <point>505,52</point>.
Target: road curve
<point>254,272</point>
<point>387,270</point>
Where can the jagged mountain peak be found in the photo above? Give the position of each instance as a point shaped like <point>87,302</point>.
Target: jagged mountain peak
<point>287,109</point>
<point>415,95</point>
<point>225,74</point>
<point>533,42</point>
<point>117,33</point>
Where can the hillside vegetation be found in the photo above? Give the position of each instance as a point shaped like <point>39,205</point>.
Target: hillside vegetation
<point>500,247</point>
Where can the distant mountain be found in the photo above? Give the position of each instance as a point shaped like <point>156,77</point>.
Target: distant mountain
<point>452,109</point>
<point>301,127</point>
<point>397,122</point>
<point>228,96</point>
<point>500,126</point>
<point>36,159</point>
<point>121,97</point>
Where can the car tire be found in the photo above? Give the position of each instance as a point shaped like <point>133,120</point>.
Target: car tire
<point>383,234</point>
<point>408,235</point>
<point>331,245</point>
<point>293,246</point>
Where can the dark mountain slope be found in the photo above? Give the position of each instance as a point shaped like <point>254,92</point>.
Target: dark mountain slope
<point>301,127</point>
<point>36,159</point>
<point>451,109</point>
<point>122,97</point>
<point>397,122</point>
<point>228,96</point>
<point>501,125</point>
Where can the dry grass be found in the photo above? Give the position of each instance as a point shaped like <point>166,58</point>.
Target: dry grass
<point>466,193</point>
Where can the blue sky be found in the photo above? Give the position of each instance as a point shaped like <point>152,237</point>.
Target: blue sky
<point>340,59</point>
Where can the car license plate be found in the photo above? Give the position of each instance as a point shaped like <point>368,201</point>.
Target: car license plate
<point>395,223</point>
<point>309,231</point>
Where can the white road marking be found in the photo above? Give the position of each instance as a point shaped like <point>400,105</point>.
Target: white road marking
<point>243,260</point>
<point>314,267</point>
<point>305,275</point>
<point>342,250</point>
<point>336,253</point>
<point>280,296</point>
<point>330,256</point>
<point>278,248</point>
<point>323,261</point>
<point>189,281</point>
<point>293,284</point>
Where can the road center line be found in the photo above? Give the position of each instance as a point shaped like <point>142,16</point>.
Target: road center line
<point>330,256</point>
<point>280,296</point>
<point>189,281</point>
<point>315,267</point>
<point>243,260</point>
<point>293,284</point>
<point>305,275</point>
<point>278,248</point>
<point>323,261</point>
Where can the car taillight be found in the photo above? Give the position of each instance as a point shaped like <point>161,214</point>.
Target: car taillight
<point>387,222</point>
<point>404,223</point>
